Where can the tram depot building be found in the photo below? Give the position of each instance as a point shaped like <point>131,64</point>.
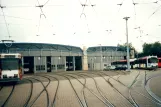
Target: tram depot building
<point>41,57</point>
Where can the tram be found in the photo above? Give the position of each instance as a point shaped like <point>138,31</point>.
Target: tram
<point>147,62</point>
<point>122,64</point>
<point>10,67</point>
<point>159,62</point>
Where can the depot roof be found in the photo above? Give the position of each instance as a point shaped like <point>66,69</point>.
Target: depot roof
<point>23,46</point>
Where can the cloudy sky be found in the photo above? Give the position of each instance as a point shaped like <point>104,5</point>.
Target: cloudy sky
<point>68,22</point>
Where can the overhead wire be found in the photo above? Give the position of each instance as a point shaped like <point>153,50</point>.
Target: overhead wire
<point>83,5</point>
<point>29,6</point>
<point>147,35</point>
<point>118,12</point>
<point>39,26</point>
<point>134,4</point>
<point>139,28</point>
<point>84,9</point>
<point>46,2</point>
<point>16,17</point>
<point>5,22</point>
<point>82,13</point>
<point>80,17</point>
<point>19,6</point>
<point>41,6</point>
<point>147,2</point>
<point>120,5</point>
<point>150,16</point>
<point>92,5</point>
<point>11,23</point>
<point>42,14</point>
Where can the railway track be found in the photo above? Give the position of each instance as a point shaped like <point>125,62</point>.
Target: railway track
<point>6,101</point>
<point>156,100</point>
<point>44,89</point>
<point>100,92</point>
<point>56,92</point>
<point>31,91</point>
<point>129,87</point>
<point>79,99</point>
<point>131,101</point>
<point>81,96</point>
<point>82,104</point>
<point>93,93</point>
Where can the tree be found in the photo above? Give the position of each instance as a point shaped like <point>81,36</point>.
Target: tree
<point>152,49</point>
<point>147,48</point>
<point>123,48</point>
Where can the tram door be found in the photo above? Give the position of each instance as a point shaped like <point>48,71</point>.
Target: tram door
<point>78,63</point>
<point>48,61</point>
<point>69,63</point>
<point>28,64</point>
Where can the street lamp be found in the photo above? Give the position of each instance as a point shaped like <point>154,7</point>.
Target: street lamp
<point>127,43</point>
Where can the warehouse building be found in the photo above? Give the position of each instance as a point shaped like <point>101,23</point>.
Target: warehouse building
<point>41,57</point>
<point>100,57</point>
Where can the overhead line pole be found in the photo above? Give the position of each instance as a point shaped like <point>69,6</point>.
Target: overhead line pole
<point>127,43</point>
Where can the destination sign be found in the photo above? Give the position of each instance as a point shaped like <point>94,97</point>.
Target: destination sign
<point>9,56</point>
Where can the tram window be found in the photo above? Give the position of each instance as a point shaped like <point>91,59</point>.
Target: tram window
<point>136,62</point>
<point>152,60</point>
<point>142,61</point>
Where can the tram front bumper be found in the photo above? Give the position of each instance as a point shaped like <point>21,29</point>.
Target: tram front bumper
<point>9,79</point>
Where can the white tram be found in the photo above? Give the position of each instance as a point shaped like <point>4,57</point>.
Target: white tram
<point>10,67</point>
<point>148,62</point>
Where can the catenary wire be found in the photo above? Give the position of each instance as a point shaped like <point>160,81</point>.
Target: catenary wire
<point>150,16</point>
<point>6,23</point>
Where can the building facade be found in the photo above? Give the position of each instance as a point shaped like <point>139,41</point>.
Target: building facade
<point>40,57</point>
<point>100,57</point>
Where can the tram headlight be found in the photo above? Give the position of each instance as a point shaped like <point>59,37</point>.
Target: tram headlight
<point>15,75</point>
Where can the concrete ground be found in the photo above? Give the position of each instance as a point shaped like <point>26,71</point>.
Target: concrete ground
<point>83,89</point>
<point>155,86</point>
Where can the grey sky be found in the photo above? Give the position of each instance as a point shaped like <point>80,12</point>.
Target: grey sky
<point>65,24</point>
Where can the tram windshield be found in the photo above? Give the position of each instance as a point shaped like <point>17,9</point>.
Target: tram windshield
<point>9,64</point>
<point>153,60</point>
